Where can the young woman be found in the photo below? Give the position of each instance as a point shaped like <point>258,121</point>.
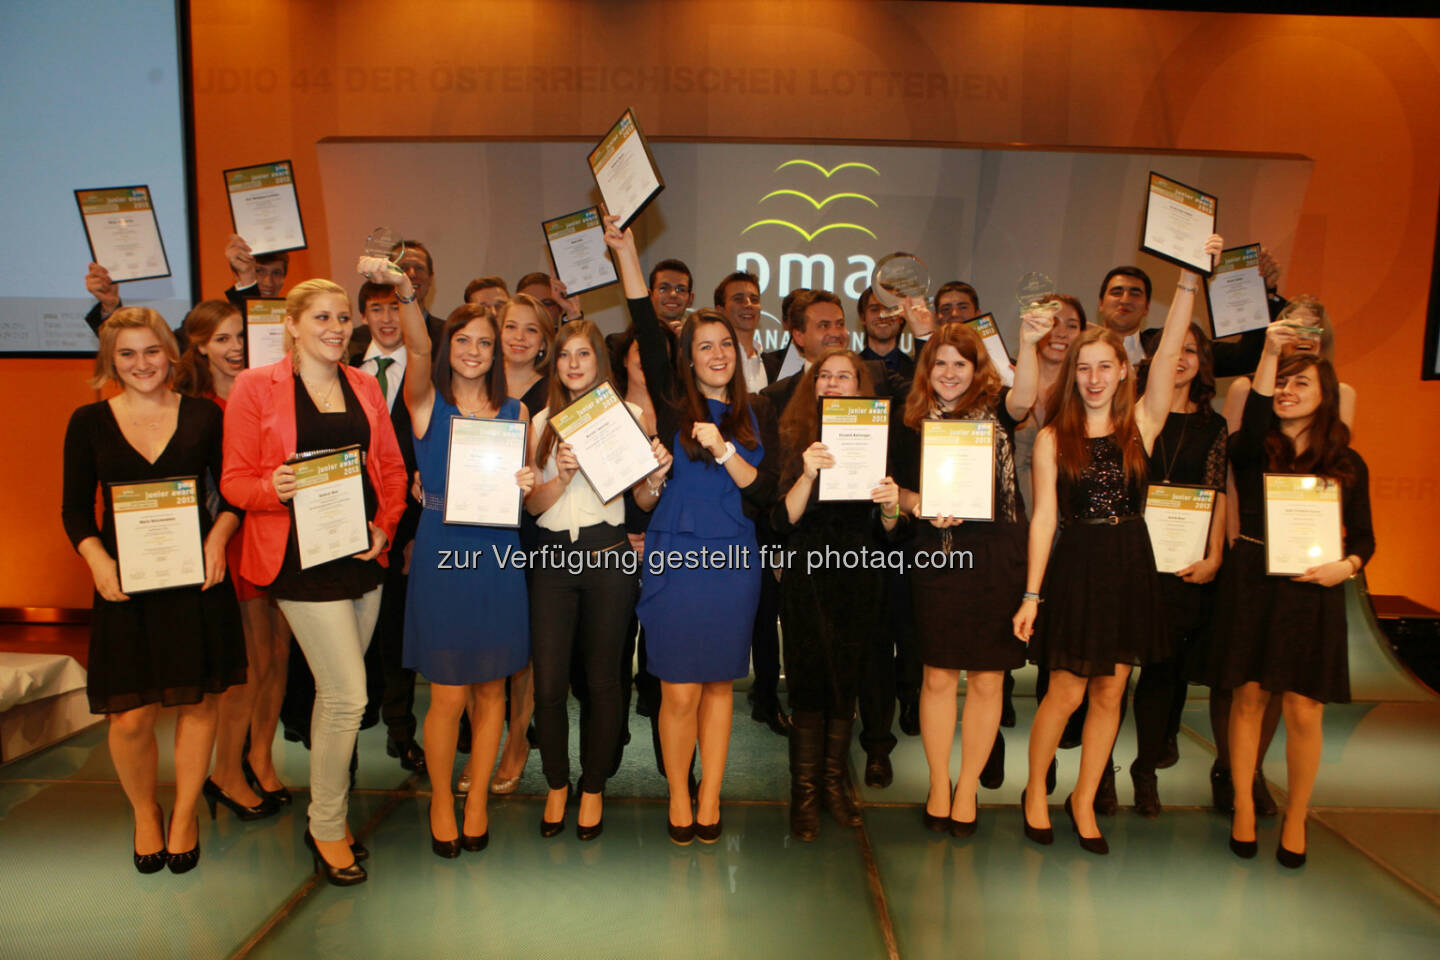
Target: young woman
<point>962,612</point>
<point>465,660</point>
<point>830,613</point>
<point>1068,323</point>
<point>1191,451</point>
<point>175,647</point>
<point>1287,636</point>
<point>310,401</point>
<point>213,358</point>
<point>599,599</point>
<point>1104,613</point>
<point>699,622</point>
<point>527,337</point>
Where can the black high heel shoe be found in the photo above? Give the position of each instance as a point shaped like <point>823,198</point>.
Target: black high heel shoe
<point>1244,849</point>
<point>707,832</point>
<point>347,876</point>
<point>184,861</point>
<point>1041,835</point>
<point>932,822</point>
<point>215,796</point>
<point>682,836</point>
<point>449,849</point>
<point>1096,845</point>
<point>151,862</point>
<point>583,832</point>
<point>473,844</point>
<point>281,797</point>
<point>552,828</point>
<point>960,829</point>
<point>1289,858</point>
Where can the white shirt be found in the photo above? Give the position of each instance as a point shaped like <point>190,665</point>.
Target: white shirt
<point>1133,349</point>
<point>394,376</point>
<point>793,362</point>
<point>754,370</point>
<point>579,506</point>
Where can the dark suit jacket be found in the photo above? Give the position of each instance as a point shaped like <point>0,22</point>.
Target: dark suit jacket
<point>360,339</point>
<point>773,361</point>
<point>405,436</point>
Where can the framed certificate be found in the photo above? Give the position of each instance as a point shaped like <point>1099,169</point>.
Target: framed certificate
<point>122,231</point>
<point>611,446</point>
<point>157,534</point>
<point>957,469</point>
<point>264,208</point>
<point>577,248</point>
<point>329,506</point>
<point>1178,518</point>
<point>480,466</point>
<point>625,170</point>
<point>264,331</point>
<point>1303,523</point>
<point>1235,293</point>
<point>857,432</point>
<point>1178,221</point>
<point>994,346</point>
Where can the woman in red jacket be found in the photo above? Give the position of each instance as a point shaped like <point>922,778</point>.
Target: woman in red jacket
<point>309,401</point>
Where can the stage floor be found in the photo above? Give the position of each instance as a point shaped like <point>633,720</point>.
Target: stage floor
<point>1371,888</point>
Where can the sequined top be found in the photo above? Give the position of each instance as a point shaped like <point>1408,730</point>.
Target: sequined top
<point>1100,491</point>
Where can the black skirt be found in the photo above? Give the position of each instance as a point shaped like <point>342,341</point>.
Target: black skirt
<point>1289,637</point>
<point>964,613</point>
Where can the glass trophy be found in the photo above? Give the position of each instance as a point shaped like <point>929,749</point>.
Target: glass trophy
<point>1306,314</point>
<point>1036,294</point>
<point>898,277</point>
<point>385,244</point>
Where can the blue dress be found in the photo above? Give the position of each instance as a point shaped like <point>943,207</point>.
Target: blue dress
<point>698,622</point>
<point>467,619</point>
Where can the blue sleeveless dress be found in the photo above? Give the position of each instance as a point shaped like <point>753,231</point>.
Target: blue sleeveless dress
<point>698,622</point>
<point>467,619</point>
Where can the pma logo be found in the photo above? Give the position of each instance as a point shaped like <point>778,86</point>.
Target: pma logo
<point>819,207</point>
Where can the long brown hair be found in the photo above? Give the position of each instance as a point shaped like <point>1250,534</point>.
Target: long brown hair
<point>735,425</point>
<point>559,397</point>
<point>1328,436</point>
<point>985,384</point>
<point>1072,452</point>
<point>496,392</point>
<point>1046,403</point>
<point>192,373</point>
<point>1202,387</point>
<point>799,424</point>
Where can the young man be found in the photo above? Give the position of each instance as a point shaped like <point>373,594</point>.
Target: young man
<point>487,291</point>
<point>551,292</point>
<point>738,297</point>
<point>882,336</point>
<point>672,292</point>
<point>956,300</point>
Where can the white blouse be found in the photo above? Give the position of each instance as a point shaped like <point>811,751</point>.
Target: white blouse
<point>579,506</point>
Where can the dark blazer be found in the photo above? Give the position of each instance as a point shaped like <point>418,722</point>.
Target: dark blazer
<point>360,339</point>
<point>773,361</point>
<point>405,436</point>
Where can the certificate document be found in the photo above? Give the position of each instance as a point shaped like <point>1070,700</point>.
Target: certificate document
<point>1235,292</point>
<point>264,207</point>
<point>1178,518</point>
<point>480,487</point>
<point>612,447</point>
<point>1302,523</point>
<point>857,432</point>
<point>625,170</point>
<point>329,505</point>
<point>1178,221</point>
<point>957,469</point>
<point>577,248</point>
<point>994,346</point>
<point>123,233</point>
<point>264,331</point>
<point>157,534</point>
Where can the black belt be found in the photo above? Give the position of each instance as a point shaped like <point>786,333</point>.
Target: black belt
<point>1109,521</point>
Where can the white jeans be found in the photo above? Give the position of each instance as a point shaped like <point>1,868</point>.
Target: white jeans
<point>333,635</point>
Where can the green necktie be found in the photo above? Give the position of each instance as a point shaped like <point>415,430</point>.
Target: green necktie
<point>381,363</point>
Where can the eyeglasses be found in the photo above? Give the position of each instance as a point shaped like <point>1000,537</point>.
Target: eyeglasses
<point>844,376</point>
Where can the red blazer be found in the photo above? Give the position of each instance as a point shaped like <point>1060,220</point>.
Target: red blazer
<point>260,435</point>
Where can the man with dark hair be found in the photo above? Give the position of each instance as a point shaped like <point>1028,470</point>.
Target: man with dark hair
<point>256,276</point>
<point>882,335</point>
<point>672,292</point>
<point>738,297</point>
<point>551,292</point>
<point>487,291</point>
<point>956,300</point>
<point>817,323</point>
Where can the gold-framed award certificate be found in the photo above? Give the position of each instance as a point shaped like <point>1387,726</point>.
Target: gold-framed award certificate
<point>625,170</point>
<point>1178,519</point>
<point>157,534</point>
<point>1235,292</point>
<point>1303,523</point>
<point>857,432</point>
<point>480,467</point>
<point>577,248</point>
<point>264,208</point>
<point>1178,221</point>
<point>957,469</point>
<point>609,443</point>
<point>329,505</point>
<point>122,231</point>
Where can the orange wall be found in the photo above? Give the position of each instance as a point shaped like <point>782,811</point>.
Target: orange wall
<point>1359,96</point>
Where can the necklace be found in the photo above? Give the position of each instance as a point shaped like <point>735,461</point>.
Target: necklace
<point>324,400</point>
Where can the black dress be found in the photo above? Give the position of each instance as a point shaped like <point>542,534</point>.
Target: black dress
<point>963,611</point>
<point>1288,636</point>
<point>1102,598</point>
<point>165,646</point>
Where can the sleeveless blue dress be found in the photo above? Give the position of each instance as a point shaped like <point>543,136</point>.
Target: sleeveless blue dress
<point>467,619</point>
<point>698,622</point>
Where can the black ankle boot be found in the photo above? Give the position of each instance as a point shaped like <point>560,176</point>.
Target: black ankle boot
<point>993,776</point>
<point>838,798</point>
<point>807,754</point>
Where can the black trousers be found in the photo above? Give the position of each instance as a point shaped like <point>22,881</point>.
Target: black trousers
<point>590,608</point>
<point>765,641</point>
<point>891,668</point>
<point>397,699</point>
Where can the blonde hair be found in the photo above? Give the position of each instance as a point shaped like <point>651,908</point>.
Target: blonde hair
<point>131,318</point>
<point>300,297</point>
<point>542,320</point>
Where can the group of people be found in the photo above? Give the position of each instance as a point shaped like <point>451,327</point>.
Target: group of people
<point>1063,576</point>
